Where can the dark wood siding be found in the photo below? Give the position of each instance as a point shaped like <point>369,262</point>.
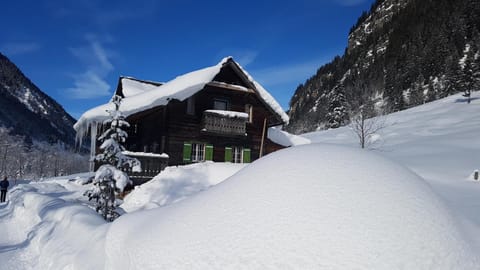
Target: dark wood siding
<point>167,128</point>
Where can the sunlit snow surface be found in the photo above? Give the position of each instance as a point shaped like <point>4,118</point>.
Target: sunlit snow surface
<point>439,141</point>
<point>307,207</point>
<point>178,183</point>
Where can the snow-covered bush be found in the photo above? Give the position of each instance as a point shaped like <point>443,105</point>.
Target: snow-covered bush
<point>110,177</point>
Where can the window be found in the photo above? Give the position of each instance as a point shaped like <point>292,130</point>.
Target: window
<point>237,153</point>
<point>220,104</point>
<point>249,110</point>
<point>191,106</point>
<point>198,152</point>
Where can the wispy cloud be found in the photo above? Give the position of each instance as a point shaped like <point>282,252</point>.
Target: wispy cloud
<point>287,73</point>
<point>349,2</point>
<point>91,82</point>
<point>18,48</point>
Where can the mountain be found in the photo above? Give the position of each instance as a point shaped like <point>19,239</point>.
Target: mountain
<point>400,54</point>
<point>28,111</point>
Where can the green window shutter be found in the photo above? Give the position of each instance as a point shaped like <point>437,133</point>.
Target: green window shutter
<point>187,152</point>
<point>246,155</point>
<point>228,154</point>
<point>209,152</point>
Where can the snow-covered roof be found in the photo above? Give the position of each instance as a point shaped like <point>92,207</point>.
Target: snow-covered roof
<point>142,96</point>
<point>132,86</point>
<point>266,96</point>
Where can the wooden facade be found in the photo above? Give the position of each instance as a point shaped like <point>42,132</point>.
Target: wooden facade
<point>167,129</point>
<point>189,131</point>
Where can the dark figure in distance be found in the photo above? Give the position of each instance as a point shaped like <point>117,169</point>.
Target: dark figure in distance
<point>3,188</point>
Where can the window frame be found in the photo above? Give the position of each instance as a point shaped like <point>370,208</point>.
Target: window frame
<point>237,154</point>
<point>198,152</point>
<point>249,111</point>
<point>221,100</point>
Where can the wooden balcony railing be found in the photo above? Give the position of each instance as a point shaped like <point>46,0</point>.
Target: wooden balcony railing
<point>224,122</point>
<point>152,164</point>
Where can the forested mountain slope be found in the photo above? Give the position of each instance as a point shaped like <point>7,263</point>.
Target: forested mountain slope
<point>400,54</point>
<point>28,111</point>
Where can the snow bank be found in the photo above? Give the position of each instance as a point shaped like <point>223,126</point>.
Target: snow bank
<point>177,183</point>
<point>329,207</point>
<point>436,141</point>
<point>40,230</point>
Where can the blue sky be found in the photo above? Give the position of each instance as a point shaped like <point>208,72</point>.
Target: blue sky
<point>76,50</point>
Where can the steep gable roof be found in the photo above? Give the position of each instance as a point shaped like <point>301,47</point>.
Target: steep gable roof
<point>142,98</point>
<point>129,86</point>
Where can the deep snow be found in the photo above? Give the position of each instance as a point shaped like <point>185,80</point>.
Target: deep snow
<point>330,207</point>
<point>177,183</point>
<point>439,142</point>
<point>312,206</point>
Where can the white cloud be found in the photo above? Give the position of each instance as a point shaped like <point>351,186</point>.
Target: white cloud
<point>17,48</point>
<point>88,85</point>
<point>91,83</point>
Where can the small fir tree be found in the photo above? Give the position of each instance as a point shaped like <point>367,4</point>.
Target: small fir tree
<point>468,81</point>
<point>416,96</point>
<point>337,115</point>
<point>110,177</point>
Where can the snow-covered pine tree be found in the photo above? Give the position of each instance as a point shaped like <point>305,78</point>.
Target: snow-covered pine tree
<point>416,95</point>
<point>337,115</point>
<point>110,177</point>
<point>468,81</point>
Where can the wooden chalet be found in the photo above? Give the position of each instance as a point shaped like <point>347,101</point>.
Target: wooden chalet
<point>225,120</point>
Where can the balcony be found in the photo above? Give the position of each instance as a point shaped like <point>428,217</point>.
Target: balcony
<point>151,163</point>
<point>224,122</point>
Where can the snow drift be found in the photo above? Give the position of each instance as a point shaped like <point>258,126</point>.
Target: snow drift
<point>328,207</point>
<point>176,183</point>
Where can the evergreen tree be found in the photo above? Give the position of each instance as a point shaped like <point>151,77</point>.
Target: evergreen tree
<point>110,178</point>
<point>451,78</point>
<point>468,80</point>
<point>337,114</point>
<point>416,96</point>
<point>431,93</point>
<point>476,62</point>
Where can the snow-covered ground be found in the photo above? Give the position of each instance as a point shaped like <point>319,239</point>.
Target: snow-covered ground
<point>177,183</point>
<point>320,211</point>
<point>438,141</point>
<point>314,206</point>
